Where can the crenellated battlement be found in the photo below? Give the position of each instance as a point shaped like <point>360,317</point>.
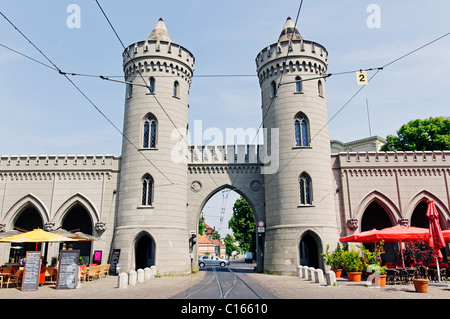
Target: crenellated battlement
<point>37,162</point>
<point>393,159</point>
<point>225,154</point>
<point>302,56</point>
<point>163,57</point>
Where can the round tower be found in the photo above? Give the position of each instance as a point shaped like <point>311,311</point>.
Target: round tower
<point>300,212</point>
<point>152,221</point>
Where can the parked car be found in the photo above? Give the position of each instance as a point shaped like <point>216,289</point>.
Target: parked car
<point>211,260</point>
<point>248,257</point>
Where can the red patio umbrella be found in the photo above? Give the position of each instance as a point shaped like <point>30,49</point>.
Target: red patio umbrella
<point>392,234</point>
<point>436,238</point>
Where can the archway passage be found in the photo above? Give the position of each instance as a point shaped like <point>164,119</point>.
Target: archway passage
<point>376,217</point>
<point>309,251</point>
<point>78,218</point>
<point>28,219</point>
<point>144,252</point>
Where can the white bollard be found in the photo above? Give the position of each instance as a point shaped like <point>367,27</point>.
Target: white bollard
<point>147,273</point>
<point>132,277</point>
<point>140,275</point>
<point>123,280</point>
<point>153,271</point>
<point>318,273</point>
<point>331,278</point>
<point>305,272</point>
<point>310,273</point>
<point>299,271</point>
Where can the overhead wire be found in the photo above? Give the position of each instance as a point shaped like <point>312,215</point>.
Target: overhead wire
<point>139,71</point>
<point>362,87</point>
<point>82,93</point>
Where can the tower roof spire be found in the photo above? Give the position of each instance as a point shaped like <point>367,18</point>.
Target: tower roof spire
<point>160,32</point>
<point>289,31</point>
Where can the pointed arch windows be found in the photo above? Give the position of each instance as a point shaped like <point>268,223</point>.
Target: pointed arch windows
<point>147,190</point>
<point>301,130</point>
<point>305,185</point>
<point>176,89</point>
<point>320,88</point>
<point>152,86</point>
<point>298,85</point>
<point>273,89</point>
<point>150,131</point>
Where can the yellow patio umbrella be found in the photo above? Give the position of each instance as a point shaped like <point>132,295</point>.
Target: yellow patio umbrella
<point>36,236</point>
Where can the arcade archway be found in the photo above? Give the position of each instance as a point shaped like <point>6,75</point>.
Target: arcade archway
<point>144,251</point>
<point>78,218</point>
<point>28,219</point>
<point>310,250</point>
<point>375,216</point>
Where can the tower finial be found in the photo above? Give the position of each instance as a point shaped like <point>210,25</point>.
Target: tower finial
<point>160,32</point>
<point>289,31</point>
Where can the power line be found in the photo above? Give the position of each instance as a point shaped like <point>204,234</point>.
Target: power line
<point>362,87</point>
<point>139,71</point>
<point>82,93</point>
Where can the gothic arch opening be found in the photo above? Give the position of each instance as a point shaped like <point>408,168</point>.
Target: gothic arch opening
<point>310,250</point>
<point>375,216</point>
<point>215,213</point>
<point>27,219</point>
<point>78,218</point>
<point>144,251</point>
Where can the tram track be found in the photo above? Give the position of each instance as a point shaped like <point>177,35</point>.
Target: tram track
<point>225,285</point>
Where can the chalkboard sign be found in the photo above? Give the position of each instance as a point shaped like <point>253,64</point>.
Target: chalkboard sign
<point>30,279</point>
<point>113,262</point>
<point>68,269</point>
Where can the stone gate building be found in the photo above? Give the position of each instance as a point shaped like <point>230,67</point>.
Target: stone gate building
<point>307,189</point>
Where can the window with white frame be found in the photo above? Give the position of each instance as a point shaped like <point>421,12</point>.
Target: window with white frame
<point>150,131</point>
<point>147,190</point>
<point>301,130</point>
<point>305,185</point>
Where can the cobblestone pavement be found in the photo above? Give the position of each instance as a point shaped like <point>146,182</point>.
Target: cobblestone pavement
<point>284,287</point>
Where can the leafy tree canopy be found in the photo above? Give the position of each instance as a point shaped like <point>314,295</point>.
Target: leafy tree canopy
<point>243,225</point>
<point>421,135</point>
<point>229,244</point>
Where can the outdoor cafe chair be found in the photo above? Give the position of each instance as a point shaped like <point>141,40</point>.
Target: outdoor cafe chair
<point>15,278</point>
<point>92,273</point>
<point>106,270</point>
<point>392,276</point>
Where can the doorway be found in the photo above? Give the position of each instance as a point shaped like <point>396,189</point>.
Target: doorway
<point>144,251</point>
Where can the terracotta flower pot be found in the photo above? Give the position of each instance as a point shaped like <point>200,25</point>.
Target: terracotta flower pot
<point>338,272</point>
<point>382,280</point>
<point>354,276</point>
<point>421,285</point>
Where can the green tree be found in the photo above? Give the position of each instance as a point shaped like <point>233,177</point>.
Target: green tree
<point>229,244</point>
<point>243,225</point>
<point>201,225</point>
<point>421,135</point>
<point>215,235</point>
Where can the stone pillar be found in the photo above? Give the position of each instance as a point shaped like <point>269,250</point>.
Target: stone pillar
<point>140,275</point>
<point>318,273</point>
<point>331,278</point>
<point>132,278</point>
<point>147,273</point>
<point>123,280</point>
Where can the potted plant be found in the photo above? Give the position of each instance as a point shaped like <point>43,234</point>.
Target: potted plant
<point>372,265</point>
<point>334,259</point>
<point>419,251</point>
<point>352,264</point>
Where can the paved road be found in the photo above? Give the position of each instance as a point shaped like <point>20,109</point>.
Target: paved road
<point>226,283</point>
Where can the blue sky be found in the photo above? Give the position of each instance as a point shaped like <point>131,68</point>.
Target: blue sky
<point>41,113</point>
